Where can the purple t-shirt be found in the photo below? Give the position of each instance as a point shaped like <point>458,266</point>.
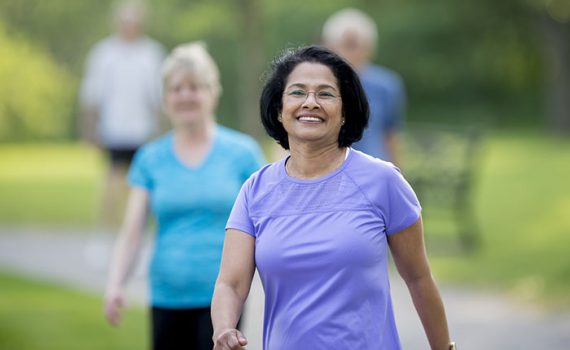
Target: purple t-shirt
<point>321,252</point>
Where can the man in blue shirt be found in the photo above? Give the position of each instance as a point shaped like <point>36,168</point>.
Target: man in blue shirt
<point>353,35</point>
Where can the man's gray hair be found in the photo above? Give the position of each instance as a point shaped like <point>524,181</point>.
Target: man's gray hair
<point>351,21</point>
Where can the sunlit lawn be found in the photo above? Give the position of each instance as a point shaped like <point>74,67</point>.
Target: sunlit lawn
<point>522,203</point>
<point>523,207</point>
<point>49,184</point>
<point>35,315</point>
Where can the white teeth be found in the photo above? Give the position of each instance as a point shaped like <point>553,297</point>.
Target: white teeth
<point>310,119</point>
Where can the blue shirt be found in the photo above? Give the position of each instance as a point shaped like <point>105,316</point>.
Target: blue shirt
<point>321,250</point>
<point>191,206</point>
<point>386,97</point>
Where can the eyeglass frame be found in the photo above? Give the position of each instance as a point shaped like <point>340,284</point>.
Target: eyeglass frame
<point>305,95</point>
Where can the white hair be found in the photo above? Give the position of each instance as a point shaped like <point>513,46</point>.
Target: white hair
<point>194,59</point>
<point>352,21</point>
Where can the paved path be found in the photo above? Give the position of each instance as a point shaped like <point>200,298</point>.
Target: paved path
<point>478,320</point>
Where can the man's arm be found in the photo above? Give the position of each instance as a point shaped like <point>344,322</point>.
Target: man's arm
<point>87,126</point>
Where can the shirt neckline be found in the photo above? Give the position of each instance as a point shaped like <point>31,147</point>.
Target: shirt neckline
<point>338,170</point>
<point>206,158</point>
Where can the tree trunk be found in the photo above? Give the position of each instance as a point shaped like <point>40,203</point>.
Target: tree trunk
<point>250,67</point>
<point>557,49</point>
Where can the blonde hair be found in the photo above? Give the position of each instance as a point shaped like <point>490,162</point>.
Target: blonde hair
<point>352,21</point>
<point>194,59</point>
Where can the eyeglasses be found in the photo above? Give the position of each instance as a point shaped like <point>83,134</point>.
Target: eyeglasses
<point>302,95</point>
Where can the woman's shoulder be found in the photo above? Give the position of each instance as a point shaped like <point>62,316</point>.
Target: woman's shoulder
<point>362,159</point>
<point>381,182</point>
<point>156,147</point>
<point>368,169</point>
<point>232,137</point>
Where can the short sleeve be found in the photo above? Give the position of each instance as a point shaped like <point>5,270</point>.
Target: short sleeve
<point>403,207</point>
<point>90,90</point>
<point>239,217</point>
<point>139,174</point>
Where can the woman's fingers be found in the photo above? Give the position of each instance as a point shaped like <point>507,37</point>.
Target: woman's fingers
<point>232,339</point>
<point>113,306</point>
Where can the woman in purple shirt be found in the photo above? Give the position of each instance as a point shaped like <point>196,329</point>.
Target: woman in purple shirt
<point>317,225</point>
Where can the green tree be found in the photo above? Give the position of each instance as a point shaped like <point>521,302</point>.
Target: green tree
<point>554,28</point>
<point>65,28</point>
<point>36,95</point>
<point>502,62</point>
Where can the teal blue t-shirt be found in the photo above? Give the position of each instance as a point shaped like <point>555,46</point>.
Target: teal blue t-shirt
<point>191,206</point>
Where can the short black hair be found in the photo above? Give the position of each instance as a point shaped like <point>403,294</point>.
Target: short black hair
<point>354,101</point>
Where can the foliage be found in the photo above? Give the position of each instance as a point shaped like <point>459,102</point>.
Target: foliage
<point>35,94</point>
<point>36,315</point>
<point>66,29</point>
<point>474,55</point>
<point>461,55</point>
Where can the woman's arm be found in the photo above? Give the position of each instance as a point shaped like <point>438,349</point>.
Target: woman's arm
<point>410,257</point>
<point>232,287</point>
<point>125,253</point>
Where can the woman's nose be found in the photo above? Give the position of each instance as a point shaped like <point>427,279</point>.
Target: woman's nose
<point>311,100</point>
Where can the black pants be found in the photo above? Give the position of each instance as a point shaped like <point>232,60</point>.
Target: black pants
<point>188,329</point>
<point>121,156</point>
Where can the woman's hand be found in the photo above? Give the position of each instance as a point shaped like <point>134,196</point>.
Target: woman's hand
<point>230,339</point>
<point>125,253</point>
<point>232,287</point>
<point>114,303</point>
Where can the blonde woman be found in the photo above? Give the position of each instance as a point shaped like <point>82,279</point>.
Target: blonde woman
<point>188,180</point>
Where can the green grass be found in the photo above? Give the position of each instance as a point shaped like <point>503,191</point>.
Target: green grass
<point>522,202</point>
<point>35,315</point>
<point>49,184</point>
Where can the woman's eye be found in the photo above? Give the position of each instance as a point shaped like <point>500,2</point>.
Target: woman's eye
<point>297,93</point>
<point>326,94</point>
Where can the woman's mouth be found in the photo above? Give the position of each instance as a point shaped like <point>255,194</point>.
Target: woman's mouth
<point>309,119</point>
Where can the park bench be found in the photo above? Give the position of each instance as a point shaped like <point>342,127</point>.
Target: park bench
<point>440,162</point>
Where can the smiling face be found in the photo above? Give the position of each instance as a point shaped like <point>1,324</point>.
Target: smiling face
<point>188,101</point>
<point>312,105</point>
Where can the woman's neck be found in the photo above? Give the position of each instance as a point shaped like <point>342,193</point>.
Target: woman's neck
<point>192,143</point>
<point>195,134</point>
<point>308,162</point>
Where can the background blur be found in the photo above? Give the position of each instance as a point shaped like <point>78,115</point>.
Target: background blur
<point>501,68</point>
